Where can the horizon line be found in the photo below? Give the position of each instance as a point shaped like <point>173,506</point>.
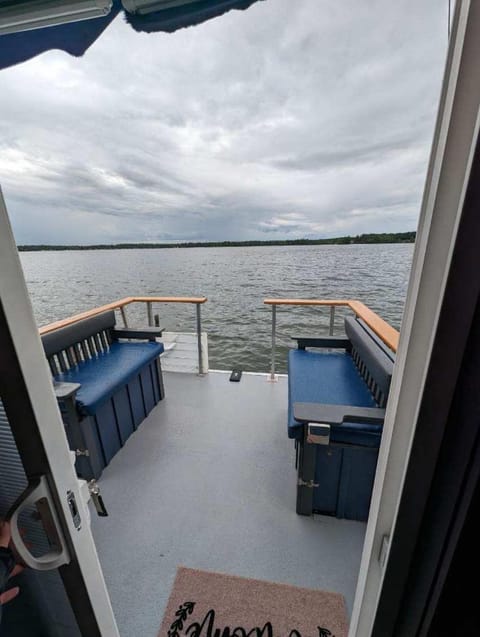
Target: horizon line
<point>364,238</point>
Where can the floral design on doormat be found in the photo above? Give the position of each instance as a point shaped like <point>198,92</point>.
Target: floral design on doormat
<point>181,615</point>
<point>207,628</point>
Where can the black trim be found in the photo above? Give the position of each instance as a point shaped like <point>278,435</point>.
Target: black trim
<point>149,333</point>
<point>439,469</point>
<point>329,342</point>
<point>457,594</point>
<point>336,415</point>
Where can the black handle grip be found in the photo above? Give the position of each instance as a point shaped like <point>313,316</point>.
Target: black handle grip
<point>99,505</point>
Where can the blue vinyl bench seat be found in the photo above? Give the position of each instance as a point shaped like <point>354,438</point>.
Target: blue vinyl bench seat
<point>332,378</point>
<point>100,377</point>
<point>105,384</point>
<point>336,458</point>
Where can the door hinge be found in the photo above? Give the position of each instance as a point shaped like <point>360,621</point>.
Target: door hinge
<point>310,484</point>
<point>82,452</point>
<point>385,545</point>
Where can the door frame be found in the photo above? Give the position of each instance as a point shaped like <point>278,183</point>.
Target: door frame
<point>34,417</point>
<point>447,180</point>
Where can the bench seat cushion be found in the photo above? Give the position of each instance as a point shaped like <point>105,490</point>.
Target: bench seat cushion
<point>329,377</point>
<point>102,376</point>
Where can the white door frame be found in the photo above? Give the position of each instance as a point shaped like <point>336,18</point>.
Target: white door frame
<point>454,141</point>
<point>23,332</point>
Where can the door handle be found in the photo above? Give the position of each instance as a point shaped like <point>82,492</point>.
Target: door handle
<point>39,495</point>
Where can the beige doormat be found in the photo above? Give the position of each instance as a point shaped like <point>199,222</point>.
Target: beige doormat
<point>206,604</point>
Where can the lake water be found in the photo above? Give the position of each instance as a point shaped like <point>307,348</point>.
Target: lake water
<point>235,280</point>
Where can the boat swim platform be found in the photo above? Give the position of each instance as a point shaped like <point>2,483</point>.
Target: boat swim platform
<point>208,482</point>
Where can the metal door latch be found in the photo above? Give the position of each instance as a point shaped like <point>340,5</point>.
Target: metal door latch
<point>97,499</point>
<point>72,505</point>
<point>82,452</point>
<point>310,484</point>
<point>318,434</point>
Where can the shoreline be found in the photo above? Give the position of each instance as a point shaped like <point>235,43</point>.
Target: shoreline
<point>368,239</point>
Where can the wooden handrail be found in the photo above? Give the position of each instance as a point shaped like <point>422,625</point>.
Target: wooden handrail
<point>197,300</point>
<point>120,304</point>
<point>328,302</point>
<point>388,334</point>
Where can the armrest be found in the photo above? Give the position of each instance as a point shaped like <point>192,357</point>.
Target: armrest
<point>145,333</point>
<point>337,414</point>
<point>65,390</point>
<point>333,342</point>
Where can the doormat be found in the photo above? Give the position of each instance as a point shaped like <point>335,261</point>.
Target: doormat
<point>204,604</point>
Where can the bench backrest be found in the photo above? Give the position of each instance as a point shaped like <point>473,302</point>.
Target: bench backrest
<point>375,367</point>
<point>70,345</point>
<point>390,353</point>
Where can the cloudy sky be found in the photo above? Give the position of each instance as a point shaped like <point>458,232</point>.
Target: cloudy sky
<point>295,118</point>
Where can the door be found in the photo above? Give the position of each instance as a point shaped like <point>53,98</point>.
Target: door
<point>443,227</point>
<point>65,573</point>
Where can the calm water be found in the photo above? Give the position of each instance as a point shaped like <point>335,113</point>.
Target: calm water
<point>235,280</point>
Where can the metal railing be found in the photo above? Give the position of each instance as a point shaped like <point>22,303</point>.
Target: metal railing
<point>121,304</point>
<point>388,334</point>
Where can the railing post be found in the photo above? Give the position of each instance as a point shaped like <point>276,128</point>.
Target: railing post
<point>274,321</point>
<point>199,339</point>
<point>124,316</point>
<point>149,314</point>
<point>332,320</point>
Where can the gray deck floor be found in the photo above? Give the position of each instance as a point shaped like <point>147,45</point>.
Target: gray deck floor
<point>208,481</point>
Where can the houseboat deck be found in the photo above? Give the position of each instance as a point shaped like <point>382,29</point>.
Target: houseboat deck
<point>208,481</point>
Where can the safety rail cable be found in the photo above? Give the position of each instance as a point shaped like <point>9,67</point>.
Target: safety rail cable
<point>388,334</point>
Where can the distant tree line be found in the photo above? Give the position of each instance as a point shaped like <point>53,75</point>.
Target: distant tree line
<point>384,237</point>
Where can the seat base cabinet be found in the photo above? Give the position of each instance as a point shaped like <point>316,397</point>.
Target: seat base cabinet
<point>105,386</point>
<point>336,470</point>
<point>104,433</point>
<point>336,480</point>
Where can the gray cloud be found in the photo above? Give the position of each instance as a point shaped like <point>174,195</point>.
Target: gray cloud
<point>286,120</point>
<point>344,156</point>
